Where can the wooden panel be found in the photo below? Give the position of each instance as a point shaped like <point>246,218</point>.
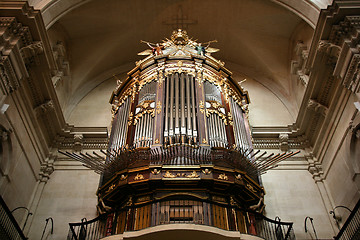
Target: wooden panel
<point>121,222</point>
<point>220,217</point>
<point>241,224</point>
<point>142,217</point>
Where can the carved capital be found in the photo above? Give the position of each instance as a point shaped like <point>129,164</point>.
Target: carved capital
<point>30,52</point>
<point>78,142</point>
<point>315,168</point>
<point>47,168</point>
<point>317,107</point>
<point>284,144</point>
<point>44,108</point>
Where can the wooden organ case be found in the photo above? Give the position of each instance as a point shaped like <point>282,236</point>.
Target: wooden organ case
<point>180,147</point>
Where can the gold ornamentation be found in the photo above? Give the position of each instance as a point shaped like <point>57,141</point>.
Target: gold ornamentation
<point>251,188</point>
<point>155,171</point>
<point>161,73</point>
<point>206,171</point>
<point>169,175</point>
<point>238,177</point>
<point>232,201</point>
<point>204,141</point>
<point>145,108</point>
<point>131,115</point>
<point>158,107</point>
<point>223,177</point>
<point>111,188</point>
<point>202,107</point>
<point>193,175</point>
<point>139,177</point>
<point>215,108</point>
<point>123,177</point>
<point>129,202</point>
<point>157,141</point>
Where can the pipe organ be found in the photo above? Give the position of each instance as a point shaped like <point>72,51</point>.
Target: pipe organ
<point>180,134</point>
<point>181,99</point>
<point>180,122</point>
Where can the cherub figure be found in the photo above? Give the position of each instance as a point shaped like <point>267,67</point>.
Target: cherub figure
<point>201,49</point>
<point>156,48</point>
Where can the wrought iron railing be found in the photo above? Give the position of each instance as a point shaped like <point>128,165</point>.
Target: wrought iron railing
<point>183,211</point>
<point>9,228</point>
<point>351,228</point>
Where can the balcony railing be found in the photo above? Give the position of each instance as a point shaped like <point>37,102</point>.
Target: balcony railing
<point>179,155</point>
<point>9,229</point>
<point>351,228</point>
<point>181,211</point>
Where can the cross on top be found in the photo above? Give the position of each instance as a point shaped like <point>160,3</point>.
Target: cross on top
<point>180,21</point>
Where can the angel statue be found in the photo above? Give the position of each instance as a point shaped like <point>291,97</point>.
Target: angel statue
<point>156,49</point>
<point>201,50</point>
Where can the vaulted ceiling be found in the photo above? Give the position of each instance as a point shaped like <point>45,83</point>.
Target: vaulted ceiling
<point>256,38</point>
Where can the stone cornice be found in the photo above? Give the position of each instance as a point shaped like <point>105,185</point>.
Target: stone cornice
<point>81,138</point>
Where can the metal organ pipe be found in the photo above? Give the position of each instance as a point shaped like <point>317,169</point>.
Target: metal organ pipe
<point>166,132</point>
<point>188,94</point>
<point>171,130</point>
<point>177,100</point>
<point>193,109</point>
<point>223,133</point>
<point>182,87</point>
<point>211,131</point>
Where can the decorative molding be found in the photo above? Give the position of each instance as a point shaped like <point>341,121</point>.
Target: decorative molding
<point>298,65</point>
<point>315,168</point>
<point>47,168</point>
<point>30,52</point>
<point>317,107</point>
<point>62,63</point>
<point>352,77</point>
<point>284,141</point>
<point>44,108</point>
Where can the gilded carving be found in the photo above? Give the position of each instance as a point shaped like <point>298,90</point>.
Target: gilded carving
<point>202,107</point>
<point>139,177</point>
<point>123,177</point>
<point>169,175</point>
<point>223,177</point>
<point>146,107</point>
<point>131,115</point>
<point>216,108</point>
<point>158,107</point>
<point>156,172</point>
<point>251,188</point>
<point>206,171</point>
<point>111,188</point>
<point>193,175</point>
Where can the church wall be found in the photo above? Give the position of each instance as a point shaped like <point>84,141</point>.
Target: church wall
<point>293,195</point>
<point>20,162</point>
<point>68,196</point>
<point>340,169</point>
